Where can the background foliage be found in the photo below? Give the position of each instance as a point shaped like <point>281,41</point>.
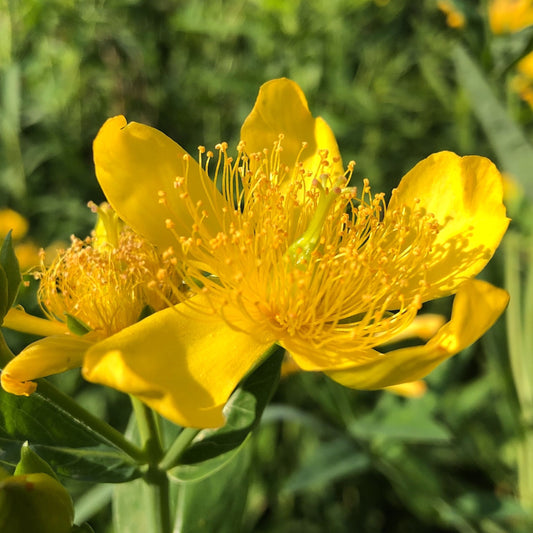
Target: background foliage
<point>390,80</point>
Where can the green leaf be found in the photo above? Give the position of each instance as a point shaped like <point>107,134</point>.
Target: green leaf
<point>330,462</point>
<point>243,412</point>
<point>203,469</point>
<point>10,265</point>
<point>509,142</point>
<point>403,420</point>
<point>69,446</point>
<point>216,503</point>
<point>4,294</point>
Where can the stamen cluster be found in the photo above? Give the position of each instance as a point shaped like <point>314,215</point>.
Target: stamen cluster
<point>301,258</point>
<point>105,286</point>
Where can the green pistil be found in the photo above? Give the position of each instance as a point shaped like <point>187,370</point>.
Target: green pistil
<point>300,251</point>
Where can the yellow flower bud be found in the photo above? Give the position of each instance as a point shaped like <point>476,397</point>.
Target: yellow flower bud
<point>34,502</point>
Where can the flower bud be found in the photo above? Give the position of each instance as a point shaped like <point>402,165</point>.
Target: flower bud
<point>34,502</point>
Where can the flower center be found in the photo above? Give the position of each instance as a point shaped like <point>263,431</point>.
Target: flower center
<point>298,255</point>
<point>103,281</point>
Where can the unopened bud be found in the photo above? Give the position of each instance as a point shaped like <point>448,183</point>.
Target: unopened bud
<point>34,502</point>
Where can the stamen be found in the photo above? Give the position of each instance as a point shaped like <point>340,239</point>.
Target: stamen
<point>299,255</point>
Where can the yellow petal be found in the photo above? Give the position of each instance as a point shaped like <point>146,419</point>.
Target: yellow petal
<point>45,357</point>
<point>18,320</point>
<point>135,163</point>
<point>423,327</point>
<point>411,389</point>
<point>179,362</point>
<point>281,108</point>
<point>465,195</point>
<point>476,307</point>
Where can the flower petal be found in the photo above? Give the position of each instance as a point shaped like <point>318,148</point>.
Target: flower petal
<point>45,357</point>
<point>476,307</point>
<point>135,163</point>
<point>18,320</point>
<point>180,362</point>
<point>465,195</point>
<point>281,108</point>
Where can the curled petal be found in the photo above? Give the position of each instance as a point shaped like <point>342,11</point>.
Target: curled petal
<point>476,307</point>
<point>465,195</point>
<point>182,363</point>
<point>18,320</point>
<point>281,108</point>
<point>45,357</point>
<point>137,167</point>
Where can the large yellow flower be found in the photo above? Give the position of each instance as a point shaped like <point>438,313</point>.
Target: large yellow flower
<point>509,16</point>
<point>278,248</point>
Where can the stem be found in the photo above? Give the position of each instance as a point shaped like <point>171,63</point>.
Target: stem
<point>159,495</point>
<point>148,426</point>
<point>156,479</point>
<point>47,391</point>
<point>175,452</point>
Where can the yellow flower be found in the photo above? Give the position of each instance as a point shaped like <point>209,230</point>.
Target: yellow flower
<point>509,16</point>
<point>454,17</point>
<point>12,221</point>
<point>522,83</point>
<point>278,248</point>
<point>96,287</point>
<point>27,253</point>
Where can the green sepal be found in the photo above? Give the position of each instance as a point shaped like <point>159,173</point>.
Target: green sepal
<point>10,266</point>
<point>77,326</point>
<point>31,463</point>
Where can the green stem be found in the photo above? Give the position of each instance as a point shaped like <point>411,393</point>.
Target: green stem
<point>179,446</point>
<point>158,488</point>
<point>148,426</point>
<point>47,391</point>
<point>156,479</point>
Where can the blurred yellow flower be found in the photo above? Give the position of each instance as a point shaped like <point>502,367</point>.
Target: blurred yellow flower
<point>279,248</point>
<point>27,252</point>
<point>509,16</point>
<point>522,83</point>
<point>454,17</point>
<point>12,221</point>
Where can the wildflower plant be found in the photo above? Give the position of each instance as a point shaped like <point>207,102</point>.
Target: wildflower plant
<point>203,274</point>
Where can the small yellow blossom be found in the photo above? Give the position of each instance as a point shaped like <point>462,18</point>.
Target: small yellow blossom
<point>522,83</point>
<point>279,247</point>
<point>27,252</point>
<point>12,221</point>
<point>509,16</point>
<point>454,17</point>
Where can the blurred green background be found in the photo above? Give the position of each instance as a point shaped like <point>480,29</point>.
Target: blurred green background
<point>396,83</point>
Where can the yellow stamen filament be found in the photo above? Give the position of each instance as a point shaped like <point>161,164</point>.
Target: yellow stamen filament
<point>107,284</point>
<point>300,256</point>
